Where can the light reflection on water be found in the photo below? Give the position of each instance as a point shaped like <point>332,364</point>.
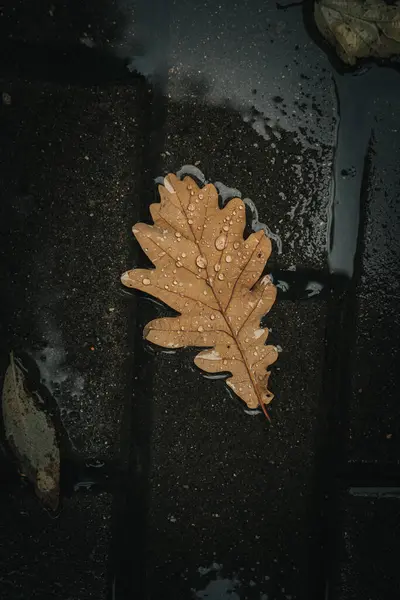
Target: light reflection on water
<point>220,588</point>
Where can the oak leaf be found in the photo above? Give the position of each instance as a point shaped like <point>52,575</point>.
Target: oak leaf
<point>206,271</point>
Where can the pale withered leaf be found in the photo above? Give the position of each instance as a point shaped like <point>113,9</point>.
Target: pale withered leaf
<point>31,435</point>
<point>210,274</point>
<point>359,28</point>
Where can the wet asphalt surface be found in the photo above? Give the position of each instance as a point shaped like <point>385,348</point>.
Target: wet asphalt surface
<point>169,490</point>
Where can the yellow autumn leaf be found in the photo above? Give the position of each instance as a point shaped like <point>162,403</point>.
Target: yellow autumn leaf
<point>210,274</point>
<point>31,434</point>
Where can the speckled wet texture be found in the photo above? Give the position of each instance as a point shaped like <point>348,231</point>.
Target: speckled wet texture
<point>169,489</point>
<point>240,489</point>
<point>366,567</point>
<point>230,475</point>
<point>227,475</point>
<point>43,557</point>
<point>61,23</point>
<point>288,183</point>
<point>374,425</point>
<point>68,179</point>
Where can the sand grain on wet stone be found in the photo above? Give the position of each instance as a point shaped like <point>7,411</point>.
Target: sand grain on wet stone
<point>220,300</point>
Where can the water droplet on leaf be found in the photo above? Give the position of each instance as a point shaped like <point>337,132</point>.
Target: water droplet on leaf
<point>220,242</point>
<point>201,262</point>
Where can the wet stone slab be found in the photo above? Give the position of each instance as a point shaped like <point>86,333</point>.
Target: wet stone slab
<point>230,498</point>
<point>63,557</point>
<point>288,182</point>
<point>59,23</point>
<point>369,548</point>
<point>374,423</point>
<point>69,179</point>
<point>225,487</point>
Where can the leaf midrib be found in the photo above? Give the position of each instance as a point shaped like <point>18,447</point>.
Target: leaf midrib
<point>237,342</point>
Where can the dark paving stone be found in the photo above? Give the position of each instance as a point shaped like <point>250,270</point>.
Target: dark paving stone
<point>255,57</point>
<point>70,173</point>
<point>288,182</point>
<point>61,22</point>
<point>369,549</point>
<point>374,411</point>
<point>224,486</point>
<point>46,558</point>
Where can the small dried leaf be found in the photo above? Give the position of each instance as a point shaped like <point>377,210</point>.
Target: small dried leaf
<point>208,273</point>
<point>31,435</point>
<point>358,28</point>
